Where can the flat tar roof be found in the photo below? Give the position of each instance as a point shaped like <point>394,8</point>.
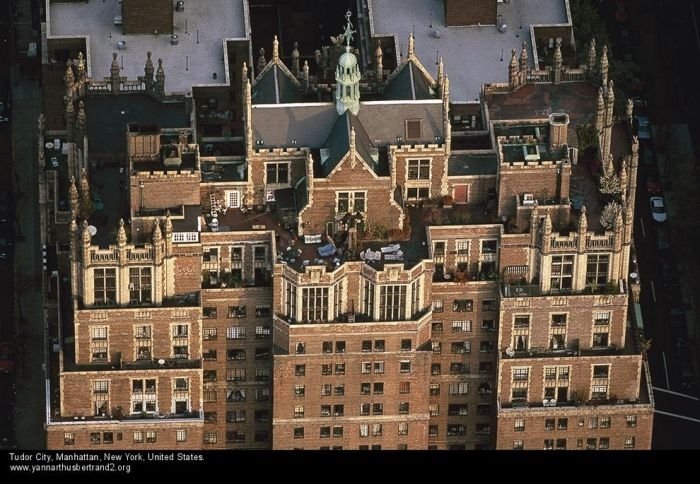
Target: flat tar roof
<point>472,55</point>
<point>198,54</point>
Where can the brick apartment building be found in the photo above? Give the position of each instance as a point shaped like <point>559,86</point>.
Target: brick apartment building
<point>305,257</point>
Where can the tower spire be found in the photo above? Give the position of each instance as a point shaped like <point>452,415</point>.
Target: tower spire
<point>148,71</point>
<point>347,75</point>
<point>513,71</point>
<point>604,66</point>
<point>275,50</point>
<point>160,79</point>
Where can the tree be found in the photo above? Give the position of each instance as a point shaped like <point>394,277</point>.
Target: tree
<point>609,183</point>
<point>609,214</point>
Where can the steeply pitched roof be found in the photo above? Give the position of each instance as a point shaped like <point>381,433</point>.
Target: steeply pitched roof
<point>275,85</point>
<point>338,142</point>
<point>408,83</point>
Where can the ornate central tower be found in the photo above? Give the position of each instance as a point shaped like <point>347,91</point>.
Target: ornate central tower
<point>347,75</point>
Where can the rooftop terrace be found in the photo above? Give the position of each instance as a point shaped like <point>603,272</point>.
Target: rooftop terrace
<point>472,55</point>
<point>198,54</point>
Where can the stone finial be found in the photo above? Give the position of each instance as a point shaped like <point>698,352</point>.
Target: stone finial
<point>583,221</point>
<point>446,88</point>
<point>168,223</point>
<point>81,67</point>
<point>73,194</point>
<point>149,69</point>
<point>275,49</point>
<point>623,176</point>
<point>440,72</point>
<point>244,72</point>
<point>524,62</point>
<point>157,234</point>
<point>160,73</point>
<point>84,185</point>
<point>604,66</point>
<point>247,94</point>
<point>69,113</point>
<point>378,62</point>
<point>411,45</point>
<point>591,55</point>
<point>619,223</point>
<point>600,110</point>
<point>68,77</point>
<point>295,59</point>
<point>547,223</point>
<point>513,71</point>
<point>114,68</point>
<point>305,71</point>
<point>261,60</point>
<point>629,110</point>
<point>610,99</point>
<point>121,234</point>
<point>635,146</point>
<point>87,238</point>
<point>41,123</point>
<point>558,60</point>
<point>73,226</point>
<point>81,120</point>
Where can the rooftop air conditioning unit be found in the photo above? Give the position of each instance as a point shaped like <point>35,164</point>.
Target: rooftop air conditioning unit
<point>528,199</point>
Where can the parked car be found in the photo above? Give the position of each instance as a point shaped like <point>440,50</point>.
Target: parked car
<point>658,209</point>
<point>653,185</point>
<point>7,358</point>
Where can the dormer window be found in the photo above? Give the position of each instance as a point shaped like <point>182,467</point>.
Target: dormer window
<point>414,129</point>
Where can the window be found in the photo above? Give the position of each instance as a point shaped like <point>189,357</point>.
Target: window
<point>368,299</point>
<point>68,438</point>
<point>140,285</point>
<point>209,395</point>
<point>235,437</point>
<point>457,409</point>
<point>262,353</point>
<point>325,410</point>
<point>601,318</point>
<point>181,435</point>
<point>601,371</point>
<point>461,388</point>
<point>438,306</point>
<point>339,390</point>
<point>299,411</point>
<point>376,430</point>
<point>418,170</point>
<point>629,442</point>
<point>364,430</point>
<point>378,388</point>
<point>436,346</point>
<point>404,387</point>
<point>405,345</point>
<point>95,438</point>
<point>548,444</point>
<point>262,394</point>
<point>521,374</point>
<point>405,367</point>
<point>482,428</point>
<point>518,445</point>
<point>105,287</point>
<point>562,273</point>
<point>488,325</point>
<point>212,437</point>
<point>403,408</point>
<point>432,431</point>
<point>604,443</point>
<point>314,304</point>
<point>237,312</point>
<point>235,332</point>
<point>151,436</point>
<point>262,310</point>
<point>143,395</point>
<point>263,332</point>
<point>262,374</point>
<point>327,369</point>
<point>366,345</point>
<point>138,437</point>
<point>235,416</point>
<point>591,444</point>
<point>462,305</point>
<point>597,270</point>
<point>488,305</point>
<point>434,389</point>
<point>365,388</point>
<point>456,430</point>
<point>457,368</point>
<point>392,303</point>
<point>549,424</point>
<point>461,347</point>
<point>436,327</point>
<point>486,346</point>
<point>461,326</point>
<point>338,410</point>
<point>379,345</point>
<point>435,369</point>
<point>560,444</point>
<point>340,346</point>
<point>299,370</point>
<point>377,409</point>
<point>417,193</point>
<point>209,334</point>
<point>403,428</point>
<point>235,354</point>
<point>600,340</point>
<point>325,432</point>
<point>364,408</point>
<point>631,421</point>
<point>562,423</point>
<point>593,423</point>
<point>98,343</point>
<point>350,202</point>
<point>604,422</point>
<point>434,410</point>
<point>326,390</point>
<point>235,374</point>
<point>379,367</point>
<point>180,342</point>
<point>262,415</point>
<point>210,417</point>
<point>299,390</point>
<point>209,355</point>
<point>519,425</point>
<point>413,130</point>
<point>277,173</point>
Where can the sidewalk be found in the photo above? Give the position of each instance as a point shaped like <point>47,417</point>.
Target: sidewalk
<point>30,409</point>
